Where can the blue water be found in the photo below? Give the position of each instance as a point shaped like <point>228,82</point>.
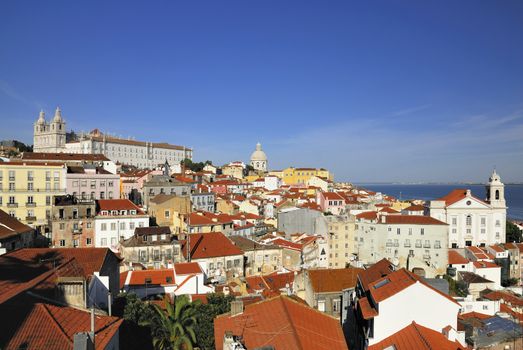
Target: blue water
<point>513,193</point>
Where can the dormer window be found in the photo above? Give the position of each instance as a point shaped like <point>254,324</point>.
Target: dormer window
<point>145,238</point>
<point>133,212</point>
<point>123,212</point>
<point>148,280</point>
<point>114,212</point>
<point>105,212</point>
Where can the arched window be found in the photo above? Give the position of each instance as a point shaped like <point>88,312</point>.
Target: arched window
<point>469,220</point>
<point>497,194</point>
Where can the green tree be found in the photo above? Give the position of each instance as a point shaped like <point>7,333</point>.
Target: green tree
<point>514,234</point>
<point>175,328</point>
<point>136,311</point>
<point>217,304</point>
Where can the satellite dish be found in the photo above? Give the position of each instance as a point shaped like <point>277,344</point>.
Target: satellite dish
<point>395,261</point>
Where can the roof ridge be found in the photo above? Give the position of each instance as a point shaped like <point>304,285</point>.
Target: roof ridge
<point>291,323</point>
<point>56,323</point>
<point>425,341</point>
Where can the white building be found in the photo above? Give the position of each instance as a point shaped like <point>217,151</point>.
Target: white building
<point>407,240</point>
<point>473,222</point>
<point>259,159</point>
<point>389,301</point>
<point>51,138</point>
<point>116,220</point>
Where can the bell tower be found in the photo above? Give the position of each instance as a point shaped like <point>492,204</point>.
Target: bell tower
<point>496,191</point>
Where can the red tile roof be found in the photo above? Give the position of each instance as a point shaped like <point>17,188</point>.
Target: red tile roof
<point>118,204</point>
<point>473,314</point>
<point>161,277</point>
<point>333,280</point>
<point>367,311</point>
<point>273,282</point>
<point>455,196</point>
<point>507,297</point>
<point>412,220</point>
<point>456,258</point>
<point>389,210</point>
<point>283,323</point>
<point>378,270</point>
<point>415,207</point>
<point>209,245</point>
<point>10,226</point>
<point>287,244</point>
<point>368,215</point>
<point>187,268</point>
<point>417,337</point>
<point>52,328</point>
<point>63,156</point>
<point>485,264</point>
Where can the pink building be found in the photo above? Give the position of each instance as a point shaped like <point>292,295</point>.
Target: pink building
<point>134,181</point>
<point>91,182</point>
<point>332,202</point>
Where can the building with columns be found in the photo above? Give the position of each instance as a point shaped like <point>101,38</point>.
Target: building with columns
<point>259,159</point>
<point>49,137</point>
<point>473,221</point>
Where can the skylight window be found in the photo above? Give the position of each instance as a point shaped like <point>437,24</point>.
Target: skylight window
<point>381,283</point>
<point>391,347</point>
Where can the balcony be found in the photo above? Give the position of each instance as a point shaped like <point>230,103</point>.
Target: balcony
<point>12,205</point>
<point>30,218</point>
<point>426,245</point>
<point>30,204</point>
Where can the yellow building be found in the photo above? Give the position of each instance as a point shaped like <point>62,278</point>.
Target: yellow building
<point>300,176</point>
<point>27,190</point>
<point>341,240</point>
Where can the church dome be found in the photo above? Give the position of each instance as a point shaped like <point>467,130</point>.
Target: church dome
<point>258,155</point>
<point>57,116</point>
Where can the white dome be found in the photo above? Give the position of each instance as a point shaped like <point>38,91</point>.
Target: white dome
<point>258,155</point>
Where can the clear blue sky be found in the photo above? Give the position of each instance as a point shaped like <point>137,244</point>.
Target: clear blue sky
<point>373,90</point>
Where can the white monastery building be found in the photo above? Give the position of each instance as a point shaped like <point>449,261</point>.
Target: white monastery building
<point>51,138</point>
<point>472,221</point>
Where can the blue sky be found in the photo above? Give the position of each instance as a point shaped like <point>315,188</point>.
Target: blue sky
<point>373,90</point>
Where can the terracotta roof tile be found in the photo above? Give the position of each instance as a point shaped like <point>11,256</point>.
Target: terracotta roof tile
<point>52,328</point>
<point>412,220</point>
<point>456,258</point>
<point>333,280</point>
<point>161,277</point>
<point>208,245</point>
<point>283,323</point>
<point>187,268</point>
<point>417,337</point>
<point>118,204</point>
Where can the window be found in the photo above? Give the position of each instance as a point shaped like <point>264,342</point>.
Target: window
<point>47,200</point>
<point>131,225</point>
<point>110,183</point>
<point>321,305</point>
<point>454,221</point>
<point>104,227</point>
<point>62,226</point>
<point>398,231</point>
<point>110,194</point>
<point>102,195</point>
<point>483,221</point>
<point>30,200</point>
<point>30,186</point>
<point>468,220</point>
<point>167,213</point>
<point>336,305</point>
<point>122,225</point>
<point>12,200</point>
<point>48,186</point>
<point>62,243</point>
<point>11,175</point>
<point>56,186</point>
<point>47,176</point>
<point>89,225</point>
<point>113,226</point>
<point>422,231</point>
<point>88,241</point>
<point>75,183</point>
<point>113,241</point>
<point>11,186</point>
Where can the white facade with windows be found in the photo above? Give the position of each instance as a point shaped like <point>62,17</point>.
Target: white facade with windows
<point>112,227</point>
<point>413,244</point>
<point>51,138</point>
<point>472,221</point>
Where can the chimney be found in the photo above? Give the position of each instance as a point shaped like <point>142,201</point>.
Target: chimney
<point>82,341</point>
<point>236,307</point>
